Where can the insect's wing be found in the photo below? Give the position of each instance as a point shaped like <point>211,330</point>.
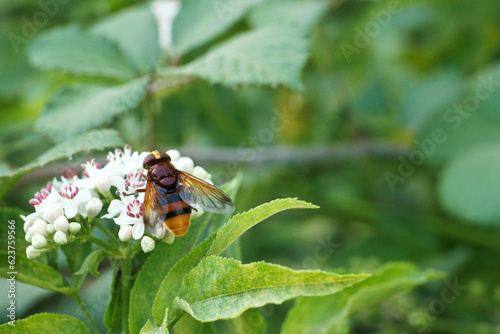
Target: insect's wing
<point>202,195</point>
<point>154,204</point>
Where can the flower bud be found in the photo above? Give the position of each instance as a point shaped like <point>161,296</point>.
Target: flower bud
<point>39,241</point>
<point>60,238</point>
<point>53,212</point>
<point>28,224</point>
<point>93,207</point>
<point>197,214</point>
<point>103,184</point>
<point>50,229</point>
<point>174,154</point>
<point>74,228</point>
<point>125,233</point>
<point>32,252</point>
<point>200,172</point>
<point>28,236</point>
<point>169,238</point>
<point>160,232</point>
<point>185,164</point>
<point>147,244</point>
<point>61,224</point>
<point>39,227</point>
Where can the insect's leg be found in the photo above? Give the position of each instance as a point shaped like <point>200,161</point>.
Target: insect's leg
<point>137,191</point>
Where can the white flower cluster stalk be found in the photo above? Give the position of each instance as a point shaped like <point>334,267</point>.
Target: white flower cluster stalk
<point>82,199</point>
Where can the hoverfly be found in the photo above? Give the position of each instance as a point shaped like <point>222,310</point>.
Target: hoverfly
<point>172,195</point>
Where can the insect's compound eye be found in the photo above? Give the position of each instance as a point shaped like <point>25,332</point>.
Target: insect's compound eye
<point>148,160</point>
<point>165,156</point>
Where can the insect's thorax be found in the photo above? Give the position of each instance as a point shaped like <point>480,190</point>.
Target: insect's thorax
<point>164,174</point>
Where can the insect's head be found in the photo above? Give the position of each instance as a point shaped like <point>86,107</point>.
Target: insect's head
<point>153,158</point>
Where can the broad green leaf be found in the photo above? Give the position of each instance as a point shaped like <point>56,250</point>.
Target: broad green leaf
<point>330,314</point>
<point>215,244</point>
<point>91,263</point>
<point>151,328</point>
<point>271,55</point>
<point>297,13</point>
<point>75,51</point>
<point>470,185</point>
<point>135,32</point>
<point>155,269</point>
<point>46,323</point>
<point>34,273</point>
<point>189,325</point>
<point>80,108</point>
<point>250,322</point>
<point>93,140</point>
<point>198,22</point>
<point>222,288</point>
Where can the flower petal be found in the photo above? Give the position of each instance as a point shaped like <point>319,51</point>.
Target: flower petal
<point>138,230</point>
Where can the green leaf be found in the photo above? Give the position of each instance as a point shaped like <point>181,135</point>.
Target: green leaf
<point>301,14</point>
<point>270,55</point>
<point>330,314</point>
<point>189,325</point>
<point>75,51</point>
<point>250,322</point>
<point>215,244</point>
<point>135,32</point>
<point>151,328</point>
<point>198,22</point>
<point>75,254</point>
<point>95,105</point>
<point>155,269</point>
<point>91,263</point>
<point>47,323</point>
<point>470,185</point>
<point>93,140</point>
<point>113,314</point>
<point>35,273</point>
<point>222,288</point>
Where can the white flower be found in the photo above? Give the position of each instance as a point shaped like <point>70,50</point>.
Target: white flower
<point>29,220</point>
<point>50,229</point>
<point>53,212</point>
<point>39,227</point>
<point>174,155</point>
<point>121,163</point>
<point>160,232</point>
<point>147,244</point>
<point>165,12</point>
<point>103,184</point>
<point>60,238</point>
<point>45,199</point>
<point>131,183</point>
<point>125,233</point>
<point>32,252</point>
<point>131,214</point>
<point>201,173</point>
<point>61,224</point>
<point>39,241</point>
<point>74,228</point>
<point>93,207</point>
<point>185,164</point>
<point>96,177</point>
<point>73,200</point>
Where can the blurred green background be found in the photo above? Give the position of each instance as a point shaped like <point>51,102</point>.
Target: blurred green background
<point>395,134</point>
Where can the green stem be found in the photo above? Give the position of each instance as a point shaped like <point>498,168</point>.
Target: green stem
<point>106,245</point>
<point>103,228</point>
<point>125,280</point>
<point>86,313</point>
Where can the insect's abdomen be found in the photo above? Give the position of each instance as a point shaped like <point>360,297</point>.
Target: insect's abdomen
<point>178,216</point>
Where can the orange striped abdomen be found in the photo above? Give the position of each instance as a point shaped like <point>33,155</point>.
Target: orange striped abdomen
<point>178,216</point>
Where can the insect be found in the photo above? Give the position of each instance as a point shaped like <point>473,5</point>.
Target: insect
<point>172,195</point>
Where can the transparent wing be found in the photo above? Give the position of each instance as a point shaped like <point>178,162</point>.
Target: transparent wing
<point>202,195</point>
<point>154,205</point>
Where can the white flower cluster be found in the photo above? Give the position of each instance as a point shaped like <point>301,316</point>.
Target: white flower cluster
<point>83,197</point>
